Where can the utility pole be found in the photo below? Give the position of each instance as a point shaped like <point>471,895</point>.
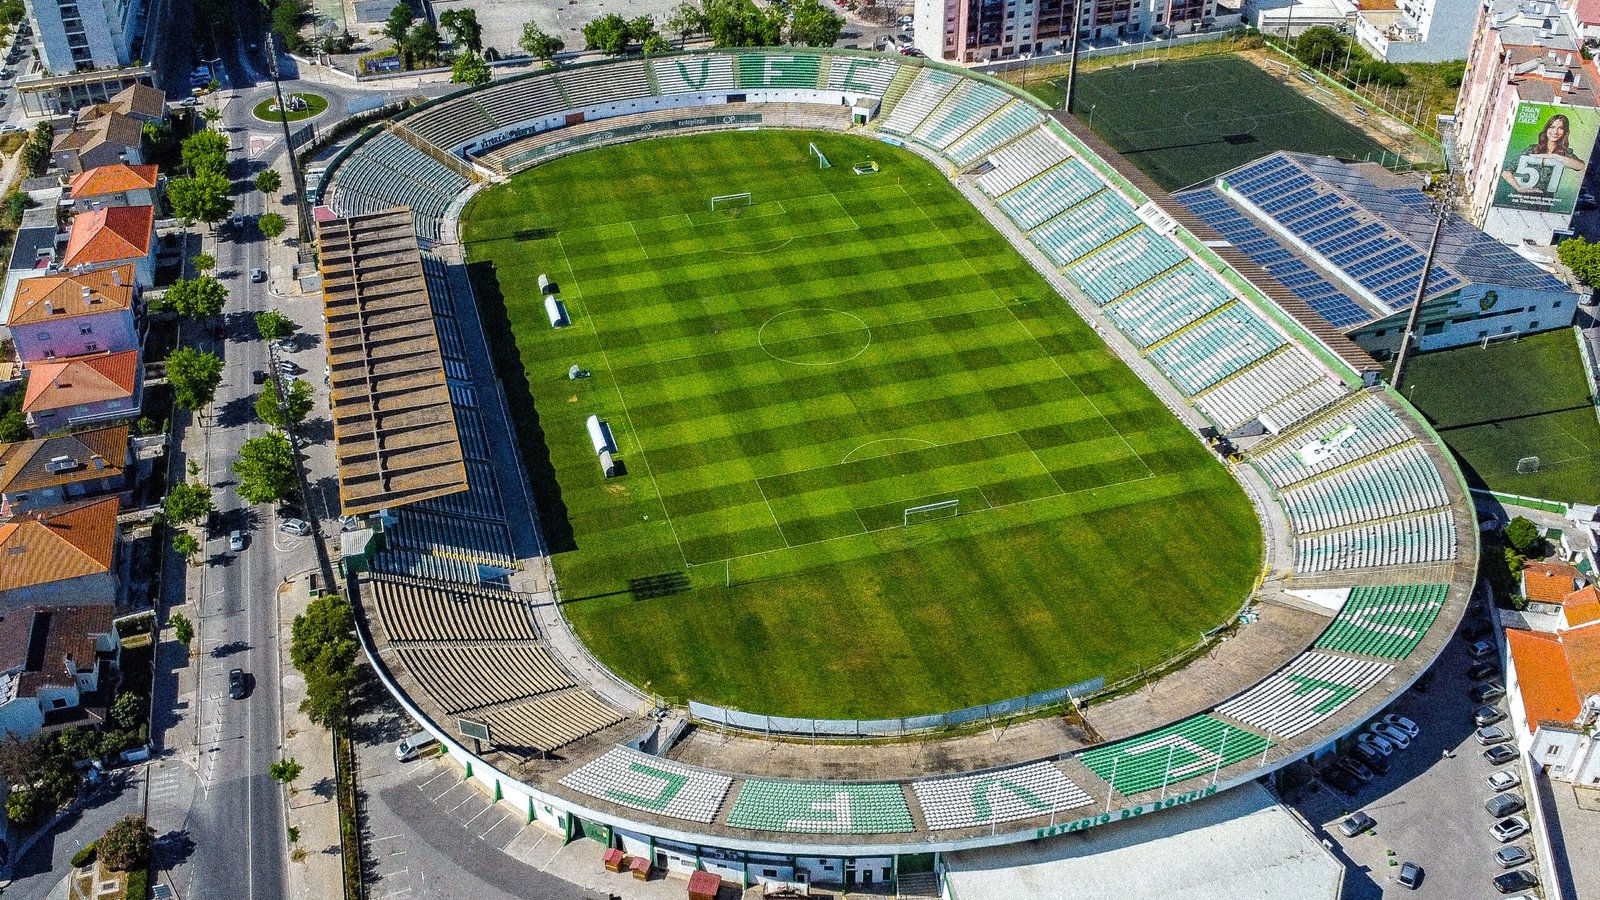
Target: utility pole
<point>1443,198</point>
<point>303,213</point>
<point>1072,63</point>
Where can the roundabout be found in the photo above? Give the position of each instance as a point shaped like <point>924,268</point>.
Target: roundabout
<point>303,105</point>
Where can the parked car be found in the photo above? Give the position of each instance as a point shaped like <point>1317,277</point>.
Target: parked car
<point>237,221</point>
<point>1492,734</point>
<point>1500,754</point>
<point>1481,649</point>
<point>1509,857</point>
<point>1402,723</point>
<point>1357,768</point>
<point>1410,875</point>
<point>1371,758</point>
<point>905,21</point>
<point>1486,715</point>
<point>1396,737</point>
<point>1507,830</point>
<point>1487,692</point>
<point>1586,200</point>
<point>236,684</point>
<point>1515,880</point>
<point>1502,805</point>
<point>236,540</point>
<point>297,527</point>
<point>1482,671</point>
<point>1341,781</point>
<point>1356,823</point>
<point>1504,780</point>
<point>1376,742</point>
<point>258,377</point>
<point>258,275</point>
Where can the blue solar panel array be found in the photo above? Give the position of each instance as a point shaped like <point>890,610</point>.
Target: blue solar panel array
<point>1324,298</point>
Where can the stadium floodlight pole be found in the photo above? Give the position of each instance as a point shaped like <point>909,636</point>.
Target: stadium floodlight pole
<point>303,213</point>
<point>1072,60</point>
<point>1397,381</point>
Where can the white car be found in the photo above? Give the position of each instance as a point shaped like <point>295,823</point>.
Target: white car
<point>1510,829</point>
<point>1402,723</point>
<point>296,527</point>
<point>1376,742</point>
<point>1396,737</point>
<point>1504,780</point>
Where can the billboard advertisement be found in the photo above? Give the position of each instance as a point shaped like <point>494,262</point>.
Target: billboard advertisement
<point>1546,157</point>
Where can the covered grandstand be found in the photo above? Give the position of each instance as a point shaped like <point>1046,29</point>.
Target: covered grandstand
<point>1366,505</point>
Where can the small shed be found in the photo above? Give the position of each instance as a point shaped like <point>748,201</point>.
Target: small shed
<point>640,865</point>
<point>608,466</point>
<point>704,885</point>
<point>600,435</point>
<point>557,311</point>
<point>614,859</point>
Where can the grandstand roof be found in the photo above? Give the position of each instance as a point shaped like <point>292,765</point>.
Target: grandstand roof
<point>395,432</point>
<point>1235,844</point>
<point>1350,239</point>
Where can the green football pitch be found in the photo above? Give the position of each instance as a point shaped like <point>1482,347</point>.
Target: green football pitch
<point>873,465</point>
<point>1496,405</point>
<point>1187,121</point>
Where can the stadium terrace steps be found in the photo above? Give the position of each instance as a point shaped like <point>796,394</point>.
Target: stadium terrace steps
<point>591,86</point>
<point>1012,121</point>
<point>1162,308</point>
<point>1041,199</point>
<point>1005,795</point>
<point>821,807</point>
<point>964,108</point>
<point>902,81</point>
<point>1302,694</point>
<point>1405,541</point>
<point>1389,485</point>
<point>652,784</point>
<point>517,101</point>
<point>413,610</point>
<point>1363,427</point>
<point>1213,348</point>
<point>1385,621</point>
<point>466,678</point>
<point>920,100</point>
<point>1126,263</point>
<point>693,74</point>
<point>549,721</point>
<point>1265,384</point>
<point>1084,228</point>
<point>1020,162</point>
<point>871,76</point>
<point>1303,404</point>
<point>1191,748</point>
<point>453,122</point>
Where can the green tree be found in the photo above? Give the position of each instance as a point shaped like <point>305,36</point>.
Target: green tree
<point>22,806</point>
<point>285,771</point>
<point>324,649</point>
<point>182,628</point>
<point>470,68</point>
<point>211,114</point>
<point>206,151</point>
<point>399,22</point>
<point>126,844</point>
<point>186,545</point>
<point>128,711</point>
<point>286,18</point>
<point>608,34</point>
<point>289,410</point>
<point>687,18</point>
<point>421,44</point>
<point>266,469</point>
<point>271,225</point>
<point>1582,257</point>
<point>464,29</point>
<point>1523,535</point>
<point>36,153</point>
<point>1321,46</point>
<point>201,198</point>
<point>201,297</point>
<point>655,45</point>
<point>268,181</point>
<point>194,375</point>
<point>203,262</point>
<point>814,25</point>
<point>539,45</point>
<point>17,204</point>
<point>14,427</point>
<point>740,23</point>
<point>273,325</point>
<point>188,503</point>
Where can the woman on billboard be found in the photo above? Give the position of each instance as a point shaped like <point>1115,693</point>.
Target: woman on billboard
<point>1537,171</point>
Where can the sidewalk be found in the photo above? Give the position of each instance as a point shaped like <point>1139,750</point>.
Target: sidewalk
<point>315,865</point>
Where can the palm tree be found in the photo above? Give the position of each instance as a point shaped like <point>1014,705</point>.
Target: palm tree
<point>211,114</point>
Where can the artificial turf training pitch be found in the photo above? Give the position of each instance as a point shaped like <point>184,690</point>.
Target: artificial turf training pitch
<point>783,381</point>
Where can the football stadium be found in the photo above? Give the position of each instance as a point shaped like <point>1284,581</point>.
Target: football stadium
<point>727,420</point>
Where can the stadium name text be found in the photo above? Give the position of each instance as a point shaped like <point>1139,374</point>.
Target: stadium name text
<point>1121,814</point>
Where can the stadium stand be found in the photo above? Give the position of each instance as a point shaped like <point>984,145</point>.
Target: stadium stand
<point>767,70</point>
<point>1393,484</point>
<point>691,74</point>
<point>1385,622</point>
<point>1006,795</point>
<point>927,91</point>
<point>970,103</point>
<point>1022,161</point>
<point>1038,201</point>
<point>385,171</point>
<point>1125,264</point>
<point>1011,121</point>
<point>1198,745</point>
<point>1311,688</point>
<point>518,101</point>
<point>454,122</point>
<point>1348,433</point>
<point>1261,390</point>
<point>1408,541</point>
<point>1085,228</point>
<point>416,611</point>
<point>548,721</point>
<point>1214,347</point>
<point>465,678</point>
<point>1297,407</point>
<point>1166,305</point>
<point>820,807</point>
<point>652,784</point>
<point>869,76</point>
<point>590,86</point>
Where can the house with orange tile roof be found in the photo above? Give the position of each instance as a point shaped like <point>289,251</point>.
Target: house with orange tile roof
<point>61,556</point>
<point>58,314</point>
<point>57,666</point>
<point>1550,582</point>
<point>114,185</point>
<point>1553,683</point>
<point>111,237</point>
<point>140,101</point>
<point>109,139</point>
<point>82,390</point>
<point>46,472</point>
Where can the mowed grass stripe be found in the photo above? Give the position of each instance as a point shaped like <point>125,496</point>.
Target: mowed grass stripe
<point>776,473</point>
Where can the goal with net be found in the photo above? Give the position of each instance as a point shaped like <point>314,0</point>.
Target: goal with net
<point>1528,465</point>
<point>730,201</point>
<point>822,161</point>
<point>927,512</point>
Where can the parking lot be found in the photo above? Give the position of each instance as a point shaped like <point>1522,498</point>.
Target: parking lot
<point>1429,808</point>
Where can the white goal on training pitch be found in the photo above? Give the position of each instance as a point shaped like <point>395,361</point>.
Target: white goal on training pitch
<point>730,200</point>
<point>944,509</point>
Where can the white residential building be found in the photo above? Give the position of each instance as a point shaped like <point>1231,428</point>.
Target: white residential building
<point>75,35</point>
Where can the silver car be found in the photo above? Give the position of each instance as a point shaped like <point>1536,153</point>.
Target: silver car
<point>1509,829</point>
<point>1504,780</point>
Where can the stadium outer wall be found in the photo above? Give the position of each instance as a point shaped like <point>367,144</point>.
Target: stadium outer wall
<point>568,817</point>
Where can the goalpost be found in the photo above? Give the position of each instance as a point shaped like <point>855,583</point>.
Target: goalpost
<point>944,509</point>
<point>822,161</point>
<point>728,201</point>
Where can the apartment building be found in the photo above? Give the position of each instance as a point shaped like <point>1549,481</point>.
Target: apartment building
<point>977,31</point>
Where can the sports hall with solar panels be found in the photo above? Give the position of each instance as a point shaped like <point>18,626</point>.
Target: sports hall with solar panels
<point>1351,240</point>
